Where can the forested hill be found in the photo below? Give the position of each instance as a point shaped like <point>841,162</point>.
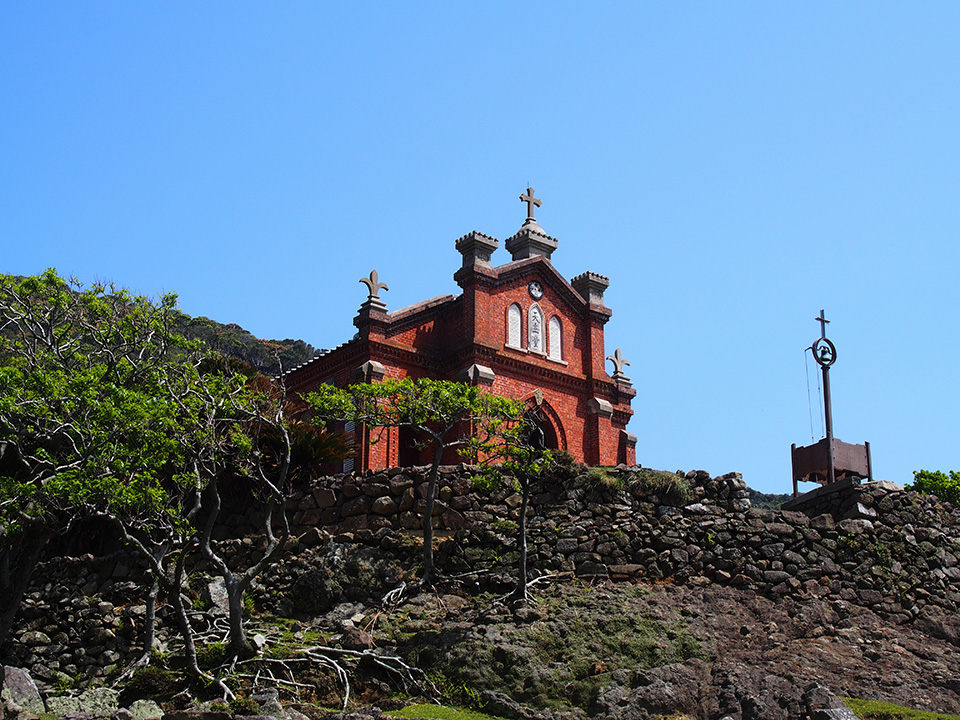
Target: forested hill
<point>233,340</point>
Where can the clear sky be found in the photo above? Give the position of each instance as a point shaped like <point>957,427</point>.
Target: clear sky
<point>732,167</point>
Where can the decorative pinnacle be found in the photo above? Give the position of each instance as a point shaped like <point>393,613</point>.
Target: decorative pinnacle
<point>373,285</point>
<point>618,364</point>
<point>531,201</point>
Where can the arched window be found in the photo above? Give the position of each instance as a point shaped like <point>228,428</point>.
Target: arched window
<point>535,330</point>
<point>555,338</point>
<point>514,321</point>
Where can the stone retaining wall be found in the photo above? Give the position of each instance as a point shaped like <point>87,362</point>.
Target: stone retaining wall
<point>877,545</point>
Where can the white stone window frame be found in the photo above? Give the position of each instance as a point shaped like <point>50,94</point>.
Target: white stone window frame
<point>536,323</point>
<point>514,339</point>
<point>555,338</point>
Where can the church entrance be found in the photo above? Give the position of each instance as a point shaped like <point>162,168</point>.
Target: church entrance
<point>543,435</point>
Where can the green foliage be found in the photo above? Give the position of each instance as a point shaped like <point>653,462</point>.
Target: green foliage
<point>87,416</point>
<point>268,356</point>
<point>504,527</point>
<point>244,706</point>
<point>582,637</point>
<point>443,411</point>
<point>672,489</point>
<point>599,479</point>
<point>444,415</point>
<point>875,710</point>
<point>944,486</point>
<point>212,655</point>
<point>151,682</point>
<point>454,691</point>
<point>439,712</point>
<point>767,501</point>
<point>249,609</point>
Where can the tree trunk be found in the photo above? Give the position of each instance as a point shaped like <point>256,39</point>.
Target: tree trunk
<point>521,592</point>
<point>428,569</point>
<point>150,619</point>
<point>239,645</point>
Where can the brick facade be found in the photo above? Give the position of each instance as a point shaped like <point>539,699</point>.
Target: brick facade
<point>554,359</point>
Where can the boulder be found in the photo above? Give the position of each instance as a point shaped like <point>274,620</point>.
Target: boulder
<point>99,702</point>
<point>21,691</point>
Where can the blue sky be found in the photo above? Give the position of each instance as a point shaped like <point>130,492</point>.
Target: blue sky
<point>732,167</point>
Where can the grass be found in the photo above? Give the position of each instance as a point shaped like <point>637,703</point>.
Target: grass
<point>439,712</point>
<point>866,709</point>
<point>874,710</point>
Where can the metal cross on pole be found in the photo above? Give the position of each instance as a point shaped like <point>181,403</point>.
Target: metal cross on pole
<point>823,324</point>
<point>825,354</point>
<point>531,201</point>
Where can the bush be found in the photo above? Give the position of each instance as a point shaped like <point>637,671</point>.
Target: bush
<point>601,480</point>
<point>150,683</point>
<point>946,487</point>
<point>669,487</point>
<point>244,706</point>
<point>212,655</point>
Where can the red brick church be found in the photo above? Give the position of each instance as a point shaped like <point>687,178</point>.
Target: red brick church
<point>519,329</point>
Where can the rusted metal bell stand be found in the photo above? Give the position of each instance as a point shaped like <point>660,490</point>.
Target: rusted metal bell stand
<point>830,459</point>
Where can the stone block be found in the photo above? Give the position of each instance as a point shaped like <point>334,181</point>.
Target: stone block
<point>354,523</point>
<point>624,572</point>
<point>64,705</point>
<point>145,710</point>
<point>855,526</point>
<point>384,505</point>
<point>330,516</point>
<point>324,497</point>
<point>375,490</point>
<point>400,483</point>
<point>461,503</point>
<point>357,506</point>
<point>567,545</point>
<point>20,690</point>
<point>780,529</point>
<point>452,520</point>
<point>407,500</point>
<point>590,568</point>
<point>99,702</point>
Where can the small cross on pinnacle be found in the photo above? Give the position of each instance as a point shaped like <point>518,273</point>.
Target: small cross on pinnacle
<point>531,201</point>
<point>823,324</point>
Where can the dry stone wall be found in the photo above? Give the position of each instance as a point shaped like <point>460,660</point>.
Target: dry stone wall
<point>874,545</point>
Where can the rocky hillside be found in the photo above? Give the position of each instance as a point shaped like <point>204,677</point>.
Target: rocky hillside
<point>266,355</point>
<point>654,594</point>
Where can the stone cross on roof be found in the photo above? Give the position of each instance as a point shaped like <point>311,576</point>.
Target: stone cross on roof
<point>531,201</point>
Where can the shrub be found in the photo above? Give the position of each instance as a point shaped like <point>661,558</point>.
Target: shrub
<point>669,487</point>
<point>244,706</point>
<point>946,487</point>
<point>598,479</point>
<point>212,655</point>
<point>151,683</point>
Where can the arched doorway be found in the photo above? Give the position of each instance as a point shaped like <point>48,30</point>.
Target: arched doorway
<point>546,429</point>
